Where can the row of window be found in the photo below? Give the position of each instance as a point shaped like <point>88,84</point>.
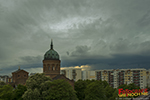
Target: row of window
<point>53,68</point>
<point>19,75</point>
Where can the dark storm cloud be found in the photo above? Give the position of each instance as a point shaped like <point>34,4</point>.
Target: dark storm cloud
<point>85,30</point>
<point>67,53</point>
<point>26,63</point>
<point>145,20</point>
<point>80,50</point>
<point>30,59</point>
<point>117,61</point>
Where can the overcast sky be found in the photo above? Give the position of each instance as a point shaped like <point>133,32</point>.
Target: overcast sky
<point>94,34</point>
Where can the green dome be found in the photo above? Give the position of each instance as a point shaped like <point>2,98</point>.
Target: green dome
<point>51,54</point>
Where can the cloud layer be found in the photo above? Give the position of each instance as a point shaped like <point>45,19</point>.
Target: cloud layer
<point>99,33</point>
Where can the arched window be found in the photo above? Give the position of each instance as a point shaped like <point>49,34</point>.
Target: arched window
<point>53,68</point>
<point>48,67</point>
<point>56,68</point>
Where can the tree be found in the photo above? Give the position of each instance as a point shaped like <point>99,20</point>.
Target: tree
<point>40,87</point>
<point>95,91</point>
<point>2,84</point>
<point>18,92</point>
<point>80,87</point>
<point>124,86</point>
<point>105,83</point>
<point>111,93</point>
<point>37,87</point>
<point>61,90</point>
<point>132,86</point>
<point>6,92</point>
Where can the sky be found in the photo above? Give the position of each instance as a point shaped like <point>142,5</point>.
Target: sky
<point>91,34</point>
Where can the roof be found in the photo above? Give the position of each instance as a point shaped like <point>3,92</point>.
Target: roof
<point>19,71</point>
<point>51,54</point>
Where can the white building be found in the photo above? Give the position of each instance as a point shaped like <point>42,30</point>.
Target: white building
<point>72,73</point>
<point>4,78</point>
<point>86,74</point>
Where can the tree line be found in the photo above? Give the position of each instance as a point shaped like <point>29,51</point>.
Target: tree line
<point>40,87</point>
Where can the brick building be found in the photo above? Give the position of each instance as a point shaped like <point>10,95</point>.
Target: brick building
<point>20,76</point>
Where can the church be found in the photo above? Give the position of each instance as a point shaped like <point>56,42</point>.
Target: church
<point>51,65</point>
<point>51,68</point>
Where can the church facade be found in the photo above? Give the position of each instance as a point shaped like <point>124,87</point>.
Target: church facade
<point>51,62</point>
<point>51,65</point>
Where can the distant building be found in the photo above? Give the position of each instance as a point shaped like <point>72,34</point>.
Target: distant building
<point>4,78</point>
<point>20,76</point>
<point>10,80</point>
<point>90,75</point>
<point>140,77</point>
<point>148,78</point>
<point>72,73</point>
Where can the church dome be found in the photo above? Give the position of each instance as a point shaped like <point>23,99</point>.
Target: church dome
<point>51,54</point>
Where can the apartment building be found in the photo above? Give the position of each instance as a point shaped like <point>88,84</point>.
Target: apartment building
<point>148,78</point>
<point>115,78</point>
<point>86,74</point>
<point>72,73</point>
<point>109,75</point>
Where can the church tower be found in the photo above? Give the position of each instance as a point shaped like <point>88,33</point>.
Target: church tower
<point>51,62</point>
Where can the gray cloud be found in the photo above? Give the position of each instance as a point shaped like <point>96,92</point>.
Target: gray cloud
<point>80,50</point>
<point>85,30</point>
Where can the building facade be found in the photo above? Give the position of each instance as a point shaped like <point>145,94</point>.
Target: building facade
<point>90,75</point>
<point>51,63</point>
<point>72,73</point>
<point>140,77</point>
<point>51,66</point>
<point>20,76</point>
<point>4,78</point>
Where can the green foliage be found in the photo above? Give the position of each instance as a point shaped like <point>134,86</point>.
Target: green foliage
<point>80,87</point>
<point>32,95</point>
<point>2,84</point>
<point>111,93</point>
<point>132,86</point>
<point>61,90</point>
<point>129,86</point>
<point>6,92</point>
<point>18,92</point>
<point>40,87</point>
<point>37,87</point>
<point>95,91</point>
<point>105,84</point>
<point>124,86</point>
<point>36,80</point>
